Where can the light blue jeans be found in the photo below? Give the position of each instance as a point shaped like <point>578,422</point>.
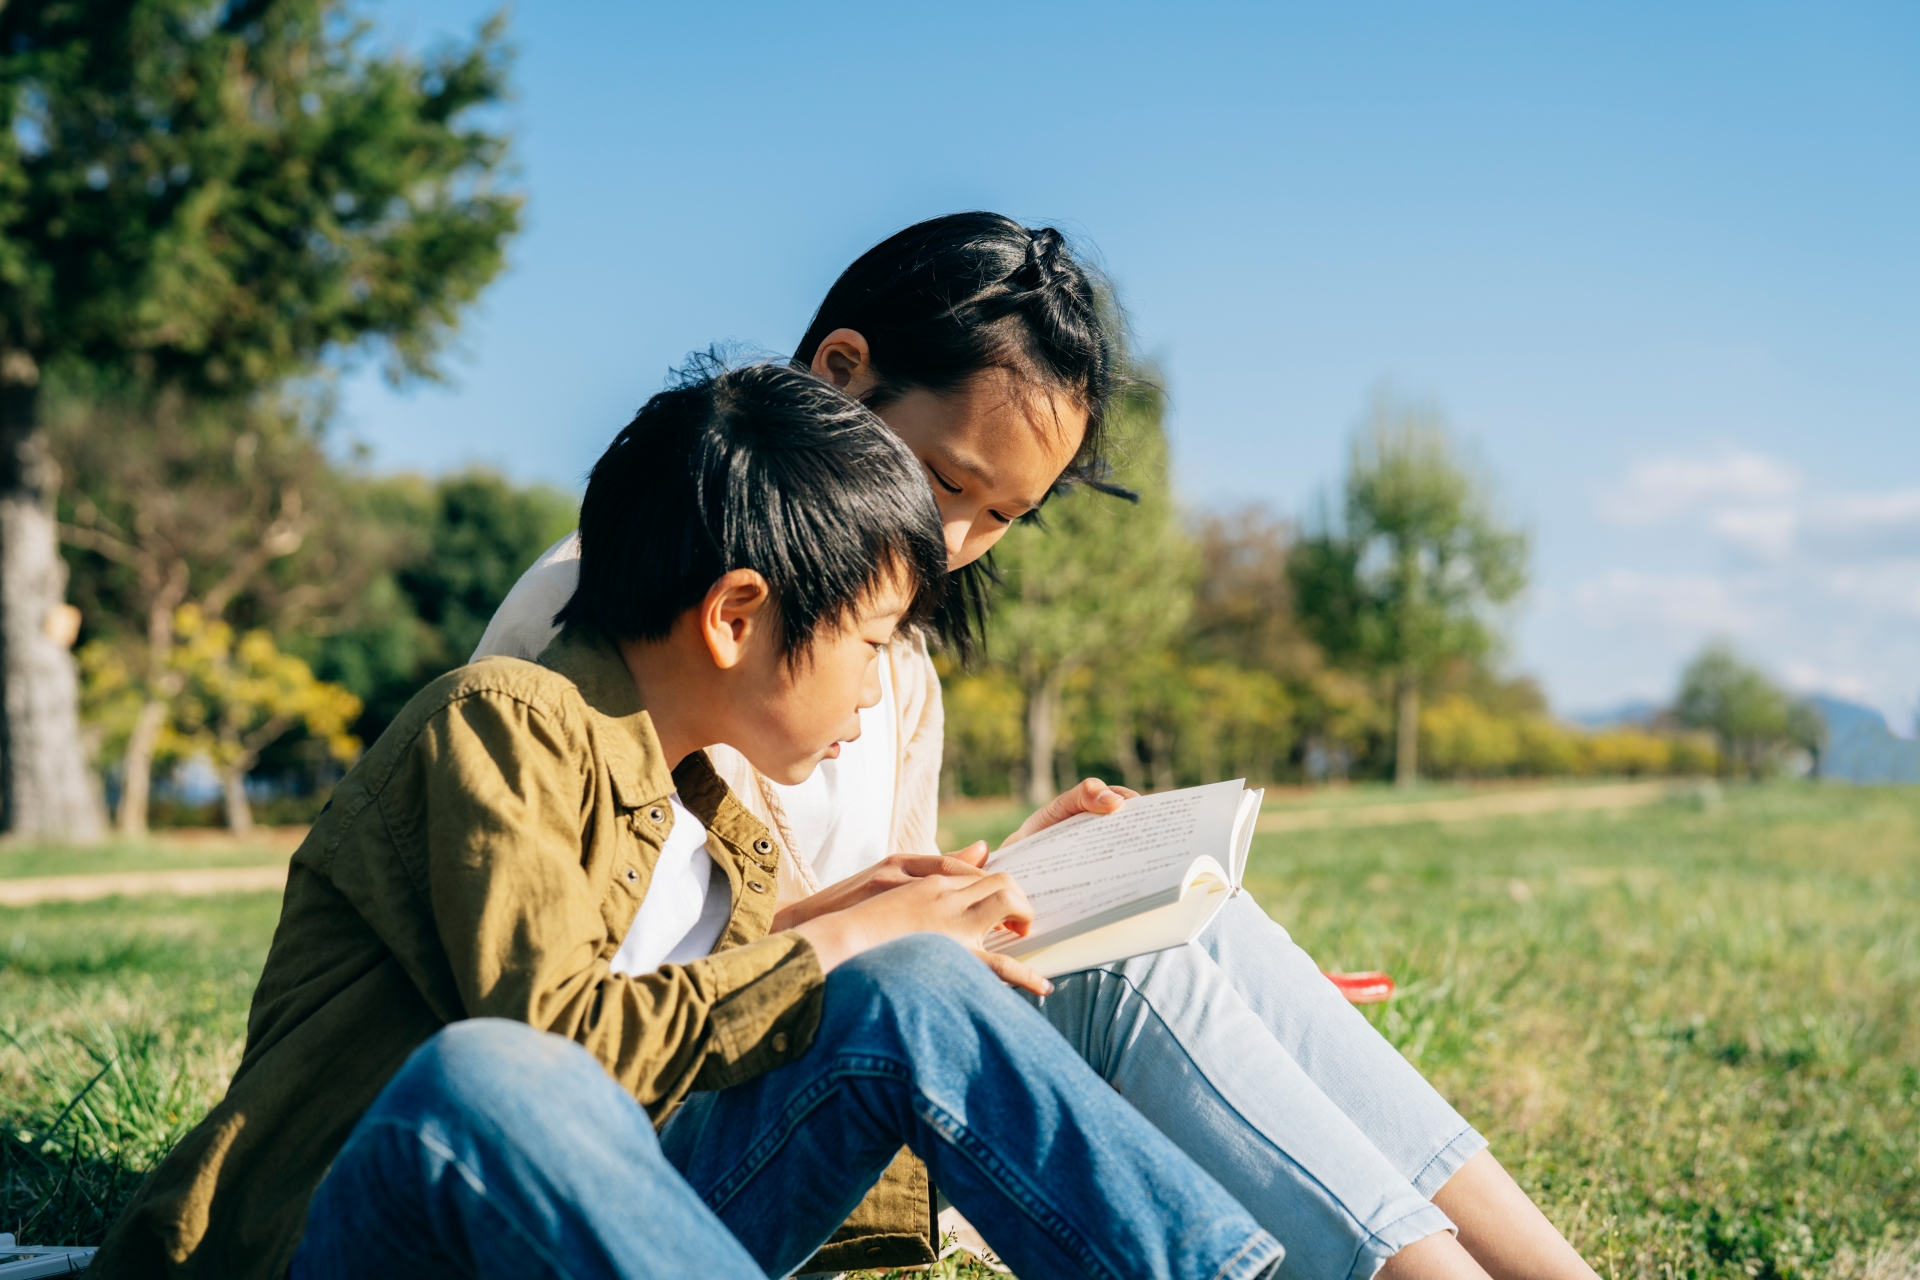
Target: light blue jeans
<point>1238,1049</point>
<point>501,1151</point>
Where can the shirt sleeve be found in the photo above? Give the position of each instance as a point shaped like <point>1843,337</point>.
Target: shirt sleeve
<point>509,796</point>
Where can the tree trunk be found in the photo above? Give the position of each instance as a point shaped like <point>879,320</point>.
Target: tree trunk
<point>136,770</point>
<point>1406,756</point>
<point>1126,749</point>
<point>45,788</point>
<point>1163,779</point>
<point>1043,736</point>
<point>163,685</point>
<point>233,785</point>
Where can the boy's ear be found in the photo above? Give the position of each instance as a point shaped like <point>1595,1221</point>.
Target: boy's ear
<point>736,605</point>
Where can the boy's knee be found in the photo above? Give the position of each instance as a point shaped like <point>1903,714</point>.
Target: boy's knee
<point>919,967</point>
<point>479,1058</point>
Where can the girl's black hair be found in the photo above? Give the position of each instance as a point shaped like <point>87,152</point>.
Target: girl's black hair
<point>762,467</point>
<point>949,297</point>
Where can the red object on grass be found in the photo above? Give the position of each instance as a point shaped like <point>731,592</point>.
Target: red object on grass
<point>1371,987</point>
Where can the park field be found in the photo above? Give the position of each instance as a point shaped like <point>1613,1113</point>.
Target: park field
<point>1691,1029</point>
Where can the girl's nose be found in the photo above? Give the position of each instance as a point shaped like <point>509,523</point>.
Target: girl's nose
<point>956,531</point>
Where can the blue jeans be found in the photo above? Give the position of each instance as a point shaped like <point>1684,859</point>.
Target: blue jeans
<point>500,1151</point>
<point>1254,1064</point>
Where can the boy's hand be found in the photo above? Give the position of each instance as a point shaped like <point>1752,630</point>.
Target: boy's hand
<point>965,908</point>
<point>887,874</point>
<point>1091,796</point>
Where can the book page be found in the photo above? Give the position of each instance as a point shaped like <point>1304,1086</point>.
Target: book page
<point>1092,863</point>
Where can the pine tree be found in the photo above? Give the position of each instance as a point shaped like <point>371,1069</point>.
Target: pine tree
<point>205,198</point>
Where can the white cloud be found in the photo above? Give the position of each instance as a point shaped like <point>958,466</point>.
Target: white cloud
<point>1767,532</point>
<point>1692,604</point>
<point>1822,587</point>
<point>1882,586</point>
<point>1659,489</point>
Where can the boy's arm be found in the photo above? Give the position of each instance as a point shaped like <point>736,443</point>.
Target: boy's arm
<point>511,792</point>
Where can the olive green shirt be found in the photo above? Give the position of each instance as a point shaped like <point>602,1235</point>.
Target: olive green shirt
<point>484,859</point>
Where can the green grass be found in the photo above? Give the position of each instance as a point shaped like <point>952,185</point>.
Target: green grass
<point>1688,1029</point>
<point>120,1022</point>
<point>162,853</point>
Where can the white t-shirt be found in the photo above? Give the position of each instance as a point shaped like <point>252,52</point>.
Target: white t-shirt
<point>841,817</point>
<point>687,903</point>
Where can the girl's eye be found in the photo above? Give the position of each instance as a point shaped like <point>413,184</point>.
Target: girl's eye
<point>1002,519</point>
<point>942,481</point>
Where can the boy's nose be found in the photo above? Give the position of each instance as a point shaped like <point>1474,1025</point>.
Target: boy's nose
<point>956,531</point>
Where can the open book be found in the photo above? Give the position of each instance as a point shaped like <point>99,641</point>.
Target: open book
<point>1109,886</point>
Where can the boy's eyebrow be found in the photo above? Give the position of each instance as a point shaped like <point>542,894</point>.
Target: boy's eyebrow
<point>977,469</point>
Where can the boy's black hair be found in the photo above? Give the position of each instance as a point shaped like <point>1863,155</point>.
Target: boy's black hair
<point>763,467</point>
<point>951,296</point>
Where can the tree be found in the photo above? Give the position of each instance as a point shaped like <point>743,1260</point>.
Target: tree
<point>206,197</point>
<point>230,509</point>
<point>230,698</point>
<point>458,544</point>
<point>1402,582</point>
<point>1098,581</point>
<point>1750,717</point>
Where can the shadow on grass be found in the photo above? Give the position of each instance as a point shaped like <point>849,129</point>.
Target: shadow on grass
<point>48,1196</point>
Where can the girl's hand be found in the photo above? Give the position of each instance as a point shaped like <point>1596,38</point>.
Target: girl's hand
<point>1091,796</point>
<point>889,873</point>
<point>965,908</point>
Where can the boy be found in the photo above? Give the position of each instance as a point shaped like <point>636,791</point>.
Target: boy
<point>544,849</point>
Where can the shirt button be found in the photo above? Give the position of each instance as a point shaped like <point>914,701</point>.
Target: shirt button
<point>779,1042</point>
<point>756,886</point>
<point>656,814</point>
<point>632,875</point>
<point>763,846</point>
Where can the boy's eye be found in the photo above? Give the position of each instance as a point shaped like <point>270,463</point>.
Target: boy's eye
<point>1002,519</point>
<point>942,481</point>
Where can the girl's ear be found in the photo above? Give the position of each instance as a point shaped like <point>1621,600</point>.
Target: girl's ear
<point>844,359</point>
<point>737,605</point>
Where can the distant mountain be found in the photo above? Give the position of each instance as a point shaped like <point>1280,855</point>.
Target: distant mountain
<point>1860,746</point>
<point>1637,712</point>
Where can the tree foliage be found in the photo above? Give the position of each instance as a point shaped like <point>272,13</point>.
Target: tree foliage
<point>213,195</point>
<point>1095,578</point>
<point>1400,584</point>
<point>1755,722</point>
<point>229,698</point>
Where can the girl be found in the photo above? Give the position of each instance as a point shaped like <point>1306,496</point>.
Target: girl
<point>984,346</point>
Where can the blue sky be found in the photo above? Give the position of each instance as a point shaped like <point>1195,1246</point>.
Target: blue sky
<point>1660,265</point>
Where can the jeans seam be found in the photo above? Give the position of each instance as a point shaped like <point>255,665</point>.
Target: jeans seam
<point>476,1185</point>
<point>802,1104</point>
<point>1305,1173</point>
<point>1016,1189</point>
<point>950,1130</point>
<point>1438,1156</point>
<point>1379,1239</point>
<point>1252,1243</point>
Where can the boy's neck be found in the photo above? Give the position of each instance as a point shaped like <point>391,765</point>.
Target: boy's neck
<point>675,687</point>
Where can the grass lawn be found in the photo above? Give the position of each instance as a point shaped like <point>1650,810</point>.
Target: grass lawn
<point>1689,1029</point>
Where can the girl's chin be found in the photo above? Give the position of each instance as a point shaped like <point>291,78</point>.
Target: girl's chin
<point>832,752</point>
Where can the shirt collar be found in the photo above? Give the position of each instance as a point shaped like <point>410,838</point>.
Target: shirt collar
<point>637,766</point>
